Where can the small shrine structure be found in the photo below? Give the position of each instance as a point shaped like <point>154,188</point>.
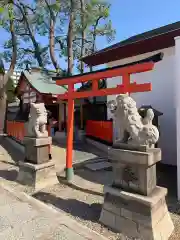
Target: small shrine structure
<point>36,85</point>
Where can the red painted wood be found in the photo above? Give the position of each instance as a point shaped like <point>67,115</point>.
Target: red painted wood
<point>109,73</point>
<point>100,129</point>
<point>17,131</point>
<point>126,82</point>
<point>95,85</point>
<point>132,88</point>
<point>70,129</point>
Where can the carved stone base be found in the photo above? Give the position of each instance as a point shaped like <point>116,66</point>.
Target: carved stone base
<point>135,171</point>
<point>136,216</point>
<point>37,149</point>
<point>37,176</point>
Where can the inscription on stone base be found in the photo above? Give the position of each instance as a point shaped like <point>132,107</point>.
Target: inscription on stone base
<point>135,179</point>
<point>135,171</point>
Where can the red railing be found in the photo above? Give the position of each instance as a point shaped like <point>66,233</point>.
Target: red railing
<point>17,131</point>
<point>102,130</point>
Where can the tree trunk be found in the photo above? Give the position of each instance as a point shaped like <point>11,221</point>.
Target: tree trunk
<point>70,39</point>
<point>3,112</point>
<point>83,35</point>
<point>51,43</point>
<point>52,38</point>
<point>5,78</point>
<point>94,45</point>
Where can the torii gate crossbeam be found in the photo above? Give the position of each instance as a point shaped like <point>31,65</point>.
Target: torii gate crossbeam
<point>71,94</point>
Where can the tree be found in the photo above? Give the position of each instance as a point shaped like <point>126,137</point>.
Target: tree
<point>5,76</point>
<point>83,32</point>
<point>73,27</point>
<point>70,37</point>
<point>10,91</point>
<point>29,49</point>
<point>94,23</point>
<point>69,28</point>
<point>47,25</point>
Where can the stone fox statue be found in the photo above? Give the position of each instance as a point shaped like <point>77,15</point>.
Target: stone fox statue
<point>37,121</point>
<point>132,128</point>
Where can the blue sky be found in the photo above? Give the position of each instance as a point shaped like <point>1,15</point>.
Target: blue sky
<point>130,17</point>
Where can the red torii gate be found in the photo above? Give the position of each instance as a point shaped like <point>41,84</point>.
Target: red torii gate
<point>71,94</point>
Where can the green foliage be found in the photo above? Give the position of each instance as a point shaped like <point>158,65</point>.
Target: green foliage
<point>6,11</point>
<point>32,26</point>
<point>96,25</point>
<point>10,91</point>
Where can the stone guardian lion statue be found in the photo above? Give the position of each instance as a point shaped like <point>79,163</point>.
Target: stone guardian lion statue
<point>132,128</point>
<point>37,121</point>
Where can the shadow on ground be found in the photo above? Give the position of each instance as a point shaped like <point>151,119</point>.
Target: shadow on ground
<point>166,177</point>
<point>84,211</point>
<point>74,186</point>
<point>104,177</point>
<point>81,147</point>
<point>12,151</point>
<point>9,175</point>
<point>73,207</point>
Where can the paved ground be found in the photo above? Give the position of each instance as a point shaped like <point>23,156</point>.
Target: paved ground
<point>81,152</point>
<point>24,218</point>
<point>82,200</point>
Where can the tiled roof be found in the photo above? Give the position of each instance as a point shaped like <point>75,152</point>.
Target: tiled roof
<point>43,83</point>
<point>149,35</point>
<point>143,36</point>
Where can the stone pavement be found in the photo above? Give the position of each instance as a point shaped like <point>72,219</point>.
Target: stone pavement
<point>25,218</point>
<point>14,152</point>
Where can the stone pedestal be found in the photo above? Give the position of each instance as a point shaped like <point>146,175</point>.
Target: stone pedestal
<point>135,171</point>
<point>136,216</point>
<point>134,205</point>
<point>37,176</point>
<point>37,149</point>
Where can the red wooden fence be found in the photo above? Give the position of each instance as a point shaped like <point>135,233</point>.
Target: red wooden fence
<point>17,131</point>
<point>102,130</point>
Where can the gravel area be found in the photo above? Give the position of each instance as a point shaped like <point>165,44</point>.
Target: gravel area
<point>82,206</point>
<point>83,201</point>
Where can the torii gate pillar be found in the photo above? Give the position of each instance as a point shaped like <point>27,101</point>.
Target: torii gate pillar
<point>70,134</point>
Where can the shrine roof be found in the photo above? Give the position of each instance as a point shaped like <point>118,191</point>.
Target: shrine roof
<point>43,83</point>
<point>156,39</point>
